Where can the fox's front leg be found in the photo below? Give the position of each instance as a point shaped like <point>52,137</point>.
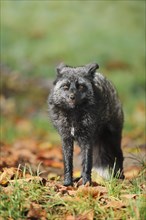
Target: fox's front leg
<point>86,149</point>
<point>67,147</point>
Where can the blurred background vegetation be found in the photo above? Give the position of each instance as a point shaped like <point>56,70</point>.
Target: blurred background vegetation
<point>37,35</point>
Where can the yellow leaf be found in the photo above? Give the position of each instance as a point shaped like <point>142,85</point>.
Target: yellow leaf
<point>8,174</point>
<point>77,173</point>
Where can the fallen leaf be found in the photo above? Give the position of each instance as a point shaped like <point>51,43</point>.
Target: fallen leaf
<point>8,158</point>
<point>61,187</point>
<point>71,199</point>
<point>53,163</point>
<point>88,191</point>
<point>129,196</point>
<point>143,186</point>
<point>131,172</point>
<point>50,154</point>
<point>25,156</point>
<point>77,173</point>
<point>8,190</point>
<point>72,192</point>
<point>115,205</point>
<point>36,212</point>
<point>8,174</point>
<point>70,217</point>
<point>88,215</point>
<point>53,176</point>
<point>101,189</point>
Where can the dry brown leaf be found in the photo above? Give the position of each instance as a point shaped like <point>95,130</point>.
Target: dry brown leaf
<point>70,217</point>
<point>92,191</point>
<point>143,186</point>
<point>52,153</point>
<point>101,189</point>
<point>72,199</point>
<point>25,155</point>
<point>53,163</point>
<point>115,205</point>
<point>88,215</point>
<point>63,189</point>
<point>57,164</point>
<point>132,172</point>
<point>51,157</point>
<point>72,192</point>
<point>8,160</point>
<point>8,190</point>
<point>88,191</point>
<point>36,212</point>
<point>19,153</point>
<point>8,174</point>
<point>129,196</point>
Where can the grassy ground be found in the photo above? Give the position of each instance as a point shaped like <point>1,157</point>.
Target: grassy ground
<point>35,36</point>
<point>29,197</point>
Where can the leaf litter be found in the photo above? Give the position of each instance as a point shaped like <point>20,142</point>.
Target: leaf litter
<point>68,197</point>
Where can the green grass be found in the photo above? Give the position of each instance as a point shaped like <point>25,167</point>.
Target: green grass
<point>17,197</point>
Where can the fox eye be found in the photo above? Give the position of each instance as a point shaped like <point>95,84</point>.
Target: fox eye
<point>66,87</point>
<point>81,87</point>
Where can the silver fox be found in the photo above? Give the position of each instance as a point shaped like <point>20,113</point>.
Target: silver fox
<point>84,107</point>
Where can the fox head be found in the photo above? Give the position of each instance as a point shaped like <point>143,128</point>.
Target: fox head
<point>73,85</point>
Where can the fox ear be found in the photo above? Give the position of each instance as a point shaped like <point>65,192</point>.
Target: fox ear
<point>59,70</point>
<point>91,68</point>
<point>60,67</point>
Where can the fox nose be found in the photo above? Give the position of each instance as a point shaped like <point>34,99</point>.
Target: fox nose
<point>72,96</point>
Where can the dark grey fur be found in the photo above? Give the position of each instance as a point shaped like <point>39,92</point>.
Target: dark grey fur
<point>84,107</point>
